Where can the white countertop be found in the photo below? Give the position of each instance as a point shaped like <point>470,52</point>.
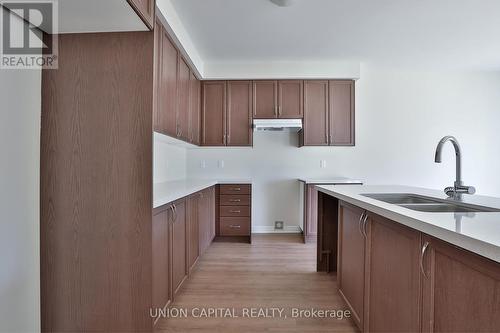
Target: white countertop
<point>476,232</point>
<point>333,180</point>
<point>170,191</point>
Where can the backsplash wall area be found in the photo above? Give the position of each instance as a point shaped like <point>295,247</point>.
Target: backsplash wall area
<point>400,117</point>
<point>169,159</point>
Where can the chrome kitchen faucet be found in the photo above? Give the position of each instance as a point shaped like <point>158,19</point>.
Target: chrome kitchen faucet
<point>458,188</point>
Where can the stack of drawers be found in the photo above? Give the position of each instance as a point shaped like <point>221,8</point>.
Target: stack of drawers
<point>235,207</point>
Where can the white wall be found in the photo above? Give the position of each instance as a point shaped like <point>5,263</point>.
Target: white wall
<point>20,92</point>
<point>169,159</point>
<point>400,117</point>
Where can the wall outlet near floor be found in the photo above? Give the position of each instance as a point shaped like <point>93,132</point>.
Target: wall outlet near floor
<point>322,164</point>
<point>279,225</point>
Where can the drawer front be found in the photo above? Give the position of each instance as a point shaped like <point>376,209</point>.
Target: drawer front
<point>235,226</point>
<point>237,211</point>
<point>234,200</point>
<point>236,189</point>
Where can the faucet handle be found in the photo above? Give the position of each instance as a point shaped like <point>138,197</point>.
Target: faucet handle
<point>469,189</point>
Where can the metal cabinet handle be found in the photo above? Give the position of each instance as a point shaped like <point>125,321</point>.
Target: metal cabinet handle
<point>235,211</point>
<point>234,200</point>
<point>279,110</point>
<point>330,139</point>
<point>422,255</point>
<point>236,189</point>
<point>275,110</point>
<point>235,226</point>
<point>360,222</point>
<point>175,212</point>
<point>363,227</point>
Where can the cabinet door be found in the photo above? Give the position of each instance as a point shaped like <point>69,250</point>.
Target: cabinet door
<point>158,32</point>
<point>315,132</point>
<point>179,233</point>
<point>351,260</point>
<point>265,99</point>
<point>461,290</point>
<point>168,88</point>
<point>291,99</point>
<point>145,9</point>
<point>161,260</point>
<point>341,113</point>
<point>310,214</point>
<point>195,111</point>
<point>214,113</point>
<point>183,100</point>
<point>193,230</point>
<point>393,280</point>
<point>212,208</point>
<point>239,113</point>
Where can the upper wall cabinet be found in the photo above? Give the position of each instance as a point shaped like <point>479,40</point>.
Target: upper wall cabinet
<point>195,110</point>
<point>183,100</point>
<point>328,113</point>
<point>213,113</point>
<point>227,113</point>
<point>145,9</point>
<point>278,99</point>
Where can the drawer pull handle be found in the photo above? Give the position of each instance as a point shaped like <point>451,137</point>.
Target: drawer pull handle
<point>422,255</point>
<point>234,200</point>
<point>235,211</point>
<point>236,189</point>
<point>234,226</point>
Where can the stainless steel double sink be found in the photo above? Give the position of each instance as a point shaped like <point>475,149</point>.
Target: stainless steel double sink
<point>428,204</point>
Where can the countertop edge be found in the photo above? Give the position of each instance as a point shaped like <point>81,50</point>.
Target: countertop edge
<point>471,244</point>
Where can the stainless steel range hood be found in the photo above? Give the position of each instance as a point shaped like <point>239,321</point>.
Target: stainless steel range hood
<point>292,125</point>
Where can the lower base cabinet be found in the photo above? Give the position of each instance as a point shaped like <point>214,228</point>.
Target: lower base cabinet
<point>234,212</point>
<point>397,279</point>
<point>179,245</point>
<point>161,260</point>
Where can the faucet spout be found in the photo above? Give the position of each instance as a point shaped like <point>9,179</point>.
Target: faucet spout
<point>458,188</point>
<point>458,156</point>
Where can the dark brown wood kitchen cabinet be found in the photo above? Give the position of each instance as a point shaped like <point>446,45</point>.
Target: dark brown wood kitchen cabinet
<point>214,113</point>
<point>167,111</point>
<point>183,100</point>
<point>195,110</point>
<point>162,295</point>
<point>315,127</point>
<point>235,208</point>
<point>193,217</point>
<point>145,9</point>
<point>239,130</point>
<point>341,113</point>
<point>310,233</point>
<point>179,245</point>
<point>265,97</point>
<point>278,99</point>
<point>351,260</point>
<point>290,99</point>
<point>206,211</point>
<point>393,279</point>
<point>328,113</point>
<point>461,290</point>
<point>227,113</point>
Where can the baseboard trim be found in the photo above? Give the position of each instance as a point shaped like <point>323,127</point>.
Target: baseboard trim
<point>265,229</point>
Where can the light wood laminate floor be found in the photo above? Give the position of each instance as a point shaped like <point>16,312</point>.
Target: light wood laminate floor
<point>275,271</point>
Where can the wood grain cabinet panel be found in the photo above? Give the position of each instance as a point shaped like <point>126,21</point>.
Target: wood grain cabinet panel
<point>351,260</point>
<point>393,279</point>
<point>461,290</point>
<point>236,189</point>
<point>96,184</point>
<point>265,103</point>
<point>146,11</point>
<point>158,32</point>
<point>234,200</point>
<point>291,99</point>
<point>161,260</point>
<point>183,100</point>
<point>310,213</point>
<point>195,110</point>
<point>234,226</point>
<point>167,114</point>
<point>239,130</point>
<point>193,230</point>
<point>214,113</point>
<point>315,128</point>
<point>341,113</point>
<point>179,245</point>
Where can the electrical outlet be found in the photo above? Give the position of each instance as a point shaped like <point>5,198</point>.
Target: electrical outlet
<point>203,164</point>
<point>221,164</point>
<point>322,164</point>
<point>279,225</point>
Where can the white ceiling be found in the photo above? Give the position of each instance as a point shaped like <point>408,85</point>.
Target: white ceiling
<point>420,33</point>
